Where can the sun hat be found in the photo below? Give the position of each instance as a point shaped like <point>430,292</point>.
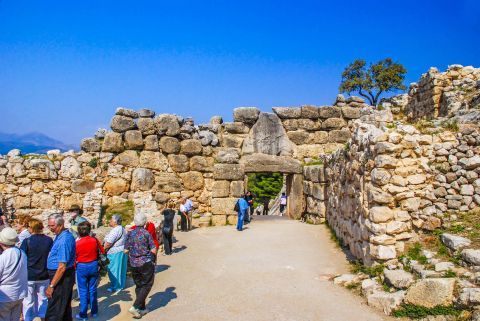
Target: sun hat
<point>8,236</point>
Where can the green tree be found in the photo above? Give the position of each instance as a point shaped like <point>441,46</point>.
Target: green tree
<point>264,185</point>
<point>373,80</point>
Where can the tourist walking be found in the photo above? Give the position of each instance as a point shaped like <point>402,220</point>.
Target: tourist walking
<point>87,250</point>
<point>167,230</point>
<point>22,228</point>
<point>141,252</point>
<point>60,265</point>
<point>114,247</point>
<point>13,276</point>
<point>189,209</point>
<point>249,199</point>
<point>266,202</point>
<point>183,216</point>
<point>151,229</point>
<point>36,247</point>
<point>241,207</point>
<point>283,203</point>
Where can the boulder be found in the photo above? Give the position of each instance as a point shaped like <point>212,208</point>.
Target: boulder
<point>261,163</point>
<point>167,124</point>
<point>268,136</point>
<point>142,179</point>
<point>247,115</point>
<point>236,128</point>
<point>191,147</point>
<point>351,112</point>
<point>207,138</point>
<point>334,123</point>
<point>126,112</point>
<point>70,168</point>
<point>398,278</point>
<point>90,145</point>
<point>339,136</point>
<point>113,143</point>
<point>385,301</point>
<point>169,145</point>
<point>147,126</point>
<point>430,293</point>
<point>168,182</point>
<point>82,186</point>
<point>287,112</point>
<point>127,158</point>
<point>310,112</point>
<point>192,180</point>
<point>469,297</point>
<point>153,160</point>
<point>121,124</point>
<point>380,214</point>
<point>298,137</point>
<point>151,143</point>
<point>455,242</point>
<point>146,113</point>
<point>179,163</point>
<point>216,120</point>
<point>326,112</point>
<point>471,256</point>
<point>228,172</point>
<point>115,186</point>
<point>228,156</point>
<point>133,139</point>
<point>201,164</point>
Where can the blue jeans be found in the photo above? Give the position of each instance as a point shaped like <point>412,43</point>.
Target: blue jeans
<point>87,277</point>
<point>241,215</point>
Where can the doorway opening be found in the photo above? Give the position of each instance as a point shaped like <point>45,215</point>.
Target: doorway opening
<point>266,189</point>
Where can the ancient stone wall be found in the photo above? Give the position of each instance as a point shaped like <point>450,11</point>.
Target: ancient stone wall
<point>314,191</point>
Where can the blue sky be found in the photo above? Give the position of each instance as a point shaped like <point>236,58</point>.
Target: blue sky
<point>66,65</point>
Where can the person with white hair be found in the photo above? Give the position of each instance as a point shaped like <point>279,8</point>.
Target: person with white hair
<point>13,276</point>
<point>141,252</point>
<point>114,246</point>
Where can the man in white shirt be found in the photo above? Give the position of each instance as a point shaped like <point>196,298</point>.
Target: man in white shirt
<point>13,276</point>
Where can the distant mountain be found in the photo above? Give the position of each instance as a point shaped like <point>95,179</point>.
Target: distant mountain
<point>31,143</point>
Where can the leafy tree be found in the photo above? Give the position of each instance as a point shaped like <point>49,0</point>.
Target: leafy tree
<point>371,81</point>
<point>264,185</point>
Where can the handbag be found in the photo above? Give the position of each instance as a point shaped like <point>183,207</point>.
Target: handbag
<point>102,259</point>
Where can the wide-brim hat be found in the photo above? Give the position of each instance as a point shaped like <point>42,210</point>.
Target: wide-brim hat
<point>8,236</point>
<point>75,208</point>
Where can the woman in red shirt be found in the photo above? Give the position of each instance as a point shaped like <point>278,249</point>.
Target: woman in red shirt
<point>87,249</point>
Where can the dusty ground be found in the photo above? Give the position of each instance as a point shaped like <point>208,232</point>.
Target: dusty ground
<point>276,269</point>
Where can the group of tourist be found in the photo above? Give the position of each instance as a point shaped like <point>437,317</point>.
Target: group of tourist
<point>245,210</point>
<point>38,273</point>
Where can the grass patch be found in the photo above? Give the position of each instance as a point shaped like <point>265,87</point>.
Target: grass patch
<point>338,241</point>
<point>313,162</point>
<point>451,125</point>
<point>418,312</point>
<point>414,252</point>
<point>450,274</point>
<point>125,210</point>
<point>372,271</point>
<point>424,126</point>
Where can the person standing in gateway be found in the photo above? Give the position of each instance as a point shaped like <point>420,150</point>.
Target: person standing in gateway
<point>283,203</point>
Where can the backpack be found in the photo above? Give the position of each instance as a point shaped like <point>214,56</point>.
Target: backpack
<point>236,207</point>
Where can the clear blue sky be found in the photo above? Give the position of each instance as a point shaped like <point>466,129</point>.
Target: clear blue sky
<point>66,65</point>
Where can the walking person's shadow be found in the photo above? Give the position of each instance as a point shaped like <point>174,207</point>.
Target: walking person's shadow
<point>161,299</point>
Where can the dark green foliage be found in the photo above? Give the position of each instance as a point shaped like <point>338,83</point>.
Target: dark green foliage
<point>125,210</point>
<point>370,82</point>
<point>418,312</point>
<point>371,271</point>
<point>93,162</point>
<point>415,253</point>
<point>264,185</point>
<point>450,274</point>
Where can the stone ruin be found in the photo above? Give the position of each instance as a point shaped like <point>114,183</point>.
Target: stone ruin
<point>375,178</point>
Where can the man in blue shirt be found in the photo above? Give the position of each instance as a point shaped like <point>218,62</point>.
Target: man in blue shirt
<point>61,271</point>
<point>242,208</point>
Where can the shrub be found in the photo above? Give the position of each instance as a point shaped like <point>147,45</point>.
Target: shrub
<point>418,312</point>
<point>125,210</point>
<point>93,162</point>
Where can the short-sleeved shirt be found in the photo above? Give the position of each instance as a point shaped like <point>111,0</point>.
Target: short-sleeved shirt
<point>283,200</point>
<point>63,251</point>
<point>117,235</point>
<point>86,249</point>
<point>22,236</point>
<point>188,205</point>
<point>37,248</point>
<point>139,245</point>
<point>13,275</point>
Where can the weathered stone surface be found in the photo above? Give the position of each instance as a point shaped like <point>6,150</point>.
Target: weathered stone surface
<point>382,252</point>
<point>169,145</point>
<point>223,205</point>
<point>90,145</point>
<point>380,214</point>
<point>127,158</point>
<point>228,156</point>
<point>469,297</point>
<point>126,112</point>
<point>310,112</point>
<point>192,180</point>
<point>167,124</point>
<point>387,302</point>
<point>153,160</point>
<point>221,189</point>
<point>329,112</point>
<point>207,138</point>
<point>385,161</point>
<point>142,179</point>
<point>236,128</point>
<point>258,163</point>
<point>398,278</point>
<point>116,186</point>
<point>121,124</point>
<point>351,112</point>
<point>133,139</point>
<point>82,186</point>
<point>179,163</point>
<point>431,292</point>
<point>298,137</point>
<point>455,242</point>
<point>113,143</point>
<point>268,136</point>
<point>470,163</point>
<point>231,141</point>
<point>168,182</point>
<point>333,123</point>
<point>151,143</point>
<point>376,195</point>
<point>191,147</point>
<point>146,113</point>
<point>70,168</point>
<point>161,197</point>
<point>471,256</point>
<point>43,201</point>
<point>228,172</point>
<point>201,164</point>
<point>339,136</point>
<point>318,137</point>
<point>247,115</point>
<point>147,126</point>
<point>287,112</point>
<point>380,176</point>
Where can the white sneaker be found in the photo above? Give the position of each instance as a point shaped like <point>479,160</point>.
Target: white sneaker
<point>144,311</point>
<point>135,312</point>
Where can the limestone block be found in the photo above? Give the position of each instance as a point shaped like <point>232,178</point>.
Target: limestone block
<point>236,128</point>
<point>318,137</point>
<point>169,145</point>
<point>153,160</point>
<point>191,147</point>
<point>287,112</point>
<point>201,164</point>
<point>22,202</point>
<point>310,112</point>
<point>431,292</point>
<point>126,112</point>
<point>385,161</point>
<point>70,168</point>
<point>179,163</point>
<point>471,256</point>
<point>168,183</point>
<point>221,189</point>
<point>351,112</point>
<point>231,141</point>
<point>116,186</point>
<point>43,201</point>
<point>82,186</point>
<point>146,113</point>
<point>258,163</point>
<point>232,219</point>
<point>380,176</point>
<point>127,158</point>
<point>470,297</point>
<point>380,214</point>
<point>398,278</point>
<point>121,124</point>
<point>386,148</point>
<point>376,195</point>
<point>133,139</point>
<point>382,252</point>
<point>237,188</point>
<point>167,124</point>
<point>113,143</point>
<point>90,145</point>
<point>455,242</point>
<point>326,112</point>
<point>308,124</point>
<point>228,155</point>
<point>416,179</point>
<point>219,220</point>
<point>147,126</point>
<point>192,180</point>
<point>228,172</point>
<point>224,206</point>
<point>151,143</point>
<point>339,136</point>
<point>410,204</point>
<point>142,179</point>
<point>247,115</point>
<point>333,123</point>
<point>298,137</point>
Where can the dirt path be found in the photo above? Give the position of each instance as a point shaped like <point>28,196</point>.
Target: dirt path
<point>276,269</point>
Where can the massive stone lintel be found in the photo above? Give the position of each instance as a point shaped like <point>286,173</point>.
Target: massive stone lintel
<point>263,163</point>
